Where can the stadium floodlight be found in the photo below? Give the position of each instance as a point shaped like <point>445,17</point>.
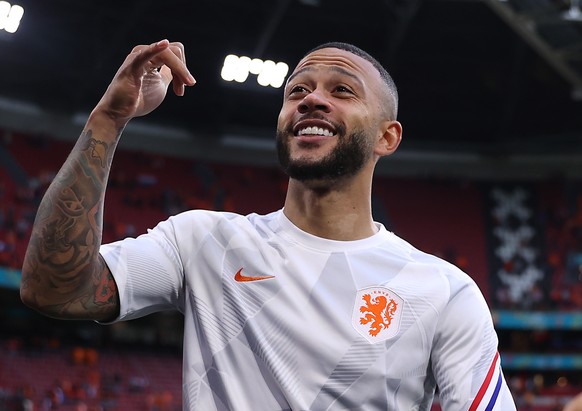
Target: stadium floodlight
<point>268,72</point>
<point>10,16</point>
<point>242,69</point>
<point>256,66</point>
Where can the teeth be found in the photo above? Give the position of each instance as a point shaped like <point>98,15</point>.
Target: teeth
<point>316,131</point>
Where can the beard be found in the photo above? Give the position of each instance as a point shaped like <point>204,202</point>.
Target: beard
<point>347,158</point>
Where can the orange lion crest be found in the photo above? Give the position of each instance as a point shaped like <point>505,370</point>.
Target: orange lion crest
<point>378,312</point>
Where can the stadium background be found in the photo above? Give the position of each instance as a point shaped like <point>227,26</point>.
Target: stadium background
<point>488,175</point>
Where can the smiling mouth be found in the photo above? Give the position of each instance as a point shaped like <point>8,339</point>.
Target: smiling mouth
<point>315,131</point>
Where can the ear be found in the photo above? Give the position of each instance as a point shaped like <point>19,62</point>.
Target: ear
<point>390,138</point>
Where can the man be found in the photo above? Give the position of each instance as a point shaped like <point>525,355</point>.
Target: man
<point>312,307</point>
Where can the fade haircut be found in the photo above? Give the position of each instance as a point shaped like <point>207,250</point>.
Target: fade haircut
<point>386,77</point>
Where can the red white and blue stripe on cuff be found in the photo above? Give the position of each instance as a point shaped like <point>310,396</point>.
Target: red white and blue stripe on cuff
<point>489,392</point>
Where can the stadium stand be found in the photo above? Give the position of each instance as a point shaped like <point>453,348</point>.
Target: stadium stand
<point>77,368</point>
<point>80,378</point>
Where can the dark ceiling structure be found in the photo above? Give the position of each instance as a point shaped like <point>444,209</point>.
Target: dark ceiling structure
<point>480,81</point>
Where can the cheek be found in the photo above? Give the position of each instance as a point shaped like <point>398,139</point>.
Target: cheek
<point>371,121</point>
<point>363,121</point>
<point>280,121</point>
<point>285,117</point>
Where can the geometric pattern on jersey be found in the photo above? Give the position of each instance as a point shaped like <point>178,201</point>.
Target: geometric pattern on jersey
<point>225,327</point>
<point>351,368</point>
<point>337,276</point>
<point>288,342</point>
<point>269,361</point>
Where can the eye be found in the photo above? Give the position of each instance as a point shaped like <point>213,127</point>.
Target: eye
<point>343,89</point>
<point>296,92</point>
<point>297,89</point>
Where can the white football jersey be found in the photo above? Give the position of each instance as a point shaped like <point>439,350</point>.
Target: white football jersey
<point>278,319</point>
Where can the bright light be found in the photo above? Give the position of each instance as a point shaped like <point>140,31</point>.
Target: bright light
<point>256,66</point>
<point>281,70</point>
<point>268,72</point>
<point>229,67</point>
<point>266,75</point>
<point>10,16</point>
<point>242,69</point>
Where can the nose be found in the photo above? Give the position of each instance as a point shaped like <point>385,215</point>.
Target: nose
<point>314,101</point>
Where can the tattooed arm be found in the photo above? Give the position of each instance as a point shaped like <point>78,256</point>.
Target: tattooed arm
<point>63,275</point>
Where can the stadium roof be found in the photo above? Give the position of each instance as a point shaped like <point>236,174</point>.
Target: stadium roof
<point>486,82</point>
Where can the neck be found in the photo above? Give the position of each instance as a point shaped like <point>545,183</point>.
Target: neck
<point>340,212</point>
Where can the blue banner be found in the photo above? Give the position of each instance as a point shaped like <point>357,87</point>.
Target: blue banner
<point>542,362</point>
<point>537,320</point>
<point>10,278</point>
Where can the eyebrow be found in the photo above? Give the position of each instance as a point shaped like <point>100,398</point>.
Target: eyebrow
<point>336,69</point>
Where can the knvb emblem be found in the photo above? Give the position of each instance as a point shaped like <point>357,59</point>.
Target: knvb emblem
<point>377,313</point>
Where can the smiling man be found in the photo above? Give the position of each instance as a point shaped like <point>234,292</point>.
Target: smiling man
<point>338,118</point>
<point>312,307</point>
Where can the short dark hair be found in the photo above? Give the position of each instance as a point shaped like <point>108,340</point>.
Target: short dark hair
<point>386,77</point>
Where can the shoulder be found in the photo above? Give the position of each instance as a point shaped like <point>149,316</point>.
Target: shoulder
<point>202,223</point>
<point>211,217</point>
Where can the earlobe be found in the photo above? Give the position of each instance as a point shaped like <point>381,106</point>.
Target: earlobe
<point>390,139</point>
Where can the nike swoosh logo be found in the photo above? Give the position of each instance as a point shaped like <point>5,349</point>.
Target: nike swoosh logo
<point>243,278</point>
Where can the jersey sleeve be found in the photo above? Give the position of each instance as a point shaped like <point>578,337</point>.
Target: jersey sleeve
<point>465,360</point>
<point>148,272</point>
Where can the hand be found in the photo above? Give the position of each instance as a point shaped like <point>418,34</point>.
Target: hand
<point>141,83</point>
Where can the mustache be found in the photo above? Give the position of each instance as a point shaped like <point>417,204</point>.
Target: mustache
<point>312,116</point>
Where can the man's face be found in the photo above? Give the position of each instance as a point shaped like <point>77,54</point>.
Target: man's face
<point>330,117</point>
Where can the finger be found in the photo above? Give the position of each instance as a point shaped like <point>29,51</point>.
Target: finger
<point>178,49</point>
<point>145,55</point>
<point>179,86</point>
<point>162,59</point>
<point>173,57</point>
<point>174,69</point>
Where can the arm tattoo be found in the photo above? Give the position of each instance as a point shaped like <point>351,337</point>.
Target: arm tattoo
<point>105,292</point>
<point>63,261</point>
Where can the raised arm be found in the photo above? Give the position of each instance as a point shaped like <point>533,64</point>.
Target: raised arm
<point>63,274</point>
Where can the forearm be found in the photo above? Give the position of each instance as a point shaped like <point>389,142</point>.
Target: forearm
<point>63,275</point>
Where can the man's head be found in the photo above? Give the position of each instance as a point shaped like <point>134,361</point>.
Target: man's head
<point>338,115</point>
